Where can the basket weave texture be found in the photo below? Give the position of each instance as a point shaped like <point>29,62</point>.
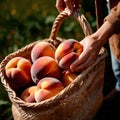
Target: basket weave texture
<point>80,100</point>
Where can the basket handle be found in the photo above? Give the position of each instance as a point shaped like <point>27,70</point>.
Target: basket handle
<point>78,16</point>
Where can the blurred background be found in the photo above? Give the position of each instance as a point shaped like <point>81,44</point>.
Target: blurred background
<point>25,21</point>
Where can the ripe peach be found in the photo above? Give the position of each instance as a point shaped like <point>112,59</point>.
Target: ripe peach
<point>67,60</point>
<point>28,94</point>
<point>47,88</point>
<point>67,52</point>
<point>44,67</point>
<point>42,48</point>
<point>67,77</point>
<point>18,71</point>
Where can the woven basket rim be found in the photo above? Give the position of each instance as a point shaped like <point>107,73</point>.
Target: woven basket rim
<point>57,98</point>
<point>71,88</point>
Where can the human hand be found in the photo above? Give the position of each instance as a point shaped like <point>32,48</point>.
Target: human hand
<point>68,5</point>
<point>91,48</point>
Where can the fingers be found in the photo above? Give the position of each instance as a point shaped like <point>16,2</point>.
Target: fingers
<point>72,5</point>
<point>83,62</point>
<point>60,5</point>
<point>69,6</point>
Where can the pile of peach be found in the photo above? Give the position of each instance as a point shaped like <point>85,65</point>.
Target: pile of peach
<point>47,73</point>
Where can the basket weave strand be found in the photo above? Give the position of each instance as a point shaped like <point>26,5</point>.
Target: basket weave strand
<point>80,100</point>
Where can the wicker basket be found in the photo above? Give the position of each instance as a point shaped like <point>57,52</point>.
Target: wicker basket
<point>80,100</point>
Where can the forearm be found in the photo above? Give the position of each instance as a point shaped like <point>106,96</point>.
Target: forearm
<point>103,33</point>
<point>110,26</point>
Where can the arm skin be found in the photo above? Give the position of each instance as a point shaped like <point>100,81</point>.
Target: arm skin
<point>93,43</point>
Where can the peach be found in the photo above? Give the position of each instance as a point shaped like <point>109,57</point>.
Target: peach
<point>44,67</point>
<point>67,77</point>
<point>47,87</point>
<point>67,52</point>
<point>67,60</point>
<point>18,71</point>
<point>28,94</point>
<point>42,48</point>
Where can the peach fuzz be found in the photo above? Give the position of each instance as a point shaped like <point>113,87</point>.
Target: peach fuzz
<point>44,67</point>
<point>47,88</point>
<point>18,71</point>
<point>42,48</point>
<point>69,49</point>
<point>28,94</point>
<point>67,77</point>
<point>67,60</point>
<point>66,47</point>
